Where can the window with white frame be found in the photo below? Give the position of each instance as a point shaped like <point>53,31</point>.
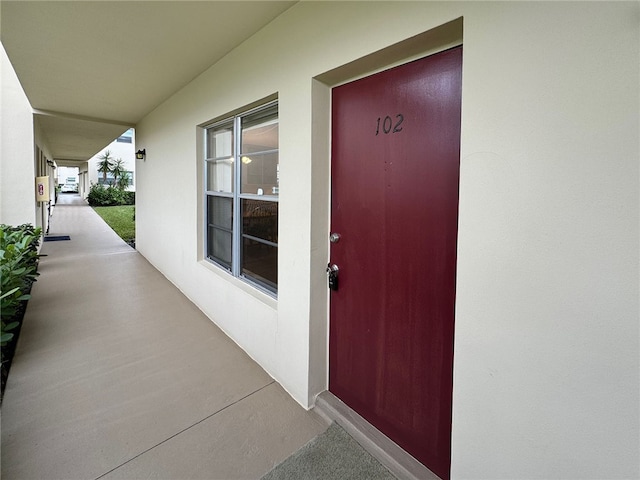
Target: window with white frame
<point>241,173</point>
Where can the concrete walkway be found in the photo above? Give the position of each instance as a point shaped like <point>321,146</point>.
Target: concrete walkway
<point>118,376</point>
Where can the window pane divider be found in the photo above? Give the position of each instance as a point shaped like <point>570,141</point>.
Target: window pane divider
<point>236,248</point>
<point>257,152</point>
<point>219,194</point>
<point>253,196</point>
<point>260,240</point>
<point>217,159</point>
<point>218,227</point>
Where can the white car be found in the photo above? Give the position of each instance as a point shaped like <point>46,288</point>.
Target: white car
<point>69,187</point>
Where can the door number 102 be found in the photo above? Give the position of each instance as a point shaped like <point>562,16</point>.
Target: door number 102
<point>386,125</point>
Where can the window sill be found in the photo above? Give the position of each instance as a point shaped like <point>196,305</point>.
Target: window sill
<point>268,299</point>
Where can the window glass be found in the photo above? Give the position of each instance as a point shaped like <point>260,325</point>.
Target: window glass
<point>220,246</point>
<point>260,173</point>
<point>260,262</point>
<point>111,179</point>
<point>241,227</point>
<point>126,137</point>
<point>260,131</point>
<point>220,210</point>
<point>220,141</point>
<point>220,175</point>
<point>260,219</point>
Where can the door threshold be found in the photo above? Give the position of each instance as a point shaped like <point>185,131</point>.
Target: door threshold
<point>383,449</point>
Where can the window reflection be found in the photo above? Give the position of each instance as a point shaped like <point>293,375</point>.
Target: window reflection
<point>260,131</point>
<point>260,219</point>
<point>220,141</point>
<point>260,261</point>
<point>220,175</point>
<point>260,240</point>
<point>260,172</point>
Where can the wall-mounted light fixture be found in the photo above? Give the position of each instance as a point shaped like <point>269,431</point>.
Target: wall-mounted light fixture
<point>141,154</point>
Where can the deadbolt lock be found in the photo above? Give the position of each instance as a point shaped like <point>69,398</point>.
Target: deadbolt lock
<point>332,273</point>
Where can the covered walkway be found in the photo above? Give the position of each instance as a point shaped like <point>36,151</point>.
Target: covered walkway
<point>117,375</point>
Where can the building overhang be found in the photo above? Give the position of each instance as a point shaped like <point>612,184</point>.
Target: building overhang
<point>91,70</point>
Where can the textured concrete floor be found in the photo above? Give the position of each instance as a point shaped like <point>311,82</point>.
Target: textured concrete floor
<point>118,376</point>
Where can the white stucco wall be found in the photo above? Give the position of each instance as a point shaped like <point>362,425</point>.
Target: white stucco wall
<point>43,166</point>
<point>546,377</point>
<point>547,310</point>
<point>118,150</point>
<point>17,173</point>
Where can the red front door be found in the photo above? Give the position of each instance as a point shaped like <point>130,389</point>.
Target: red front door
<point>395,168</point>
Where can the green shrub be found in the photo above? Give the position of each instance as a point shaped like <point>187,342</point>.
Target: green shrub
<point>101,196</point>
<point>18,270</point>
<point>129,198</point>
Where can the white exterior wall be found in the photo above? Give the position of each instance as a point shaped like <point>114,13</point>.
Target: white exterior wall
<point>63,173</point>
<point>44,166</point>
<point>19,162</point>
<point>17,172</point>
<point>546,376</point>
<point>122,150</point>
<point>83,179</point>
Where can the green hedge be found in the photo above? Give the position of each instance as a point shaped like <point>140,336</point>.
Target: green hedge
<point>18,270</point>
<point>101,196</point>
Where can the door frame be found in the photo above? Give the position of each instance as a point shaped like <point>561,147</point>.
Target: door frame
<point>438,39</point>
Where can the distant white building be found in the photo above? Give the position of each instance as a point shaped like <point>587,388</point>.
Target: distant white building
<point>121,148</point>
<point>66,175</point>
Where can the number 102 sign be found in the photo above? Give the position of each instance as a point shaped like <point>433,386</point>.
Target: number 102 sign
<point>388,125</point>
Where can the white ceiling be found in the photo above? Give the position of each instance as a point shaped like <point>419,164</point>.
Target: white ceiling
<point>93,68</point>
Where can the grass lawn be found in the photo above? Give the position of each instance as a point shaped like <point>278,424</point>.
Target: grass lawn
<point>120,218</point>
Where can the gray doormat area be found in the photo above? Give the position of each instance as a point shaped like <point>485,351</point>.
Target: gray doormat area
<point>332,455</point>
